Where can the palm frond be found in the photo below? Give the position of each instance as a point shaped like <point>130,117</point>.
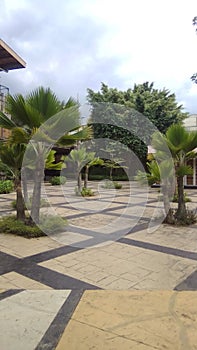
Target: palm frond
<point>6,122</point>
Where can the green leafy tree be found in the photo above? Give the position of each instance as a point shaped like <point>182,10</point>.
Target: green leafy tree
<point>159,106</point>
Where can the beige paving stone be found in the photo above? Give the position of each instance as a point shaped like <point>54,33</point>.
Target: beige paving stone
<point>96,277</point>
<point>26,316</point>
<point>89,338</point>
<point>68,260</point>
<point>104,283</point>
<point>6,283</point>
<point>150,320</point>
<point>22,247</point>
<point>13,280</point>
<point>120,284</point>
<point>55,266</point>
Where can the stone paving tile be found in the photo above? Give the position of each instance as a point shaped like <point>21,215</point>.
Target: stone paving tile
<point>13,280</point>
<point>133,320</point>
<point>175,239</point>
<point>21,247</point>
<point>25,317</point>
<point>90,337</point>
<point>124,266</point>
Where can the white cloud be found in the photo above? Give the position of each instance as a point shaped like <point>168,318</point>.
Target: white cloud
<point>75,44</point>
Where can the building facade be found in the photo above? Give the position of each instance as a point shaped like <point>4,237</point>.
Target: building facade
<point>191,125</point>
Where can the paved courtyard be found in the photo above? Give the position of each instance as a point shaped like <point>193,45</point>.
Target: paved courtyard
<point>116,278</point>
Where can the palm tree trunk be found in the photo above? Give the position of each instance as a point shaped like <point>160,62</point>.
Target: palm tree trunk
<point>79,182</point>
<point>25,192</point>
<point>181,211</point>
<point>86,176</point>
<point>20,207</point>
<point>36,197</point>
<point>166,200</point>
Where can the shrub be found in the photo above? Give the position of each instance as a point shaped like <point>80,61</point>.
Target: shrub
<point>58,180</point>
<point>9,224</point>
<point>48,224</point>
<point>6,186</point>
<point>85,192</point>
<point>111,185</point>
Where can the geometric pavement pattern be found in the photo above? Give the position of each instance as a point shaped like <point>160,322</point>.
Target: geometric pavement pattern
<point>44,283</point>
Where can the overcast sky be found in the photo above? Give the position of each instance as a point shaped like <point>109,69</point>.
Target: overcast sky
<point>72,45</point>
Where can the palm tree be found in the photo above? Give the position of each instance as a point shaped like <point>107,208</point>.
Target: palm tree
<point>181,144</point>
<point>12,157</point>
<point>92,162</point>
<point>79,158</point>
<point>40,117</point>
<point>160,173</point>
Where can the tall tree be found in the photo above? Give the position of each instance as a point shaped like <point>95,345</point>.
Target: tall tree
<point>159,106</point>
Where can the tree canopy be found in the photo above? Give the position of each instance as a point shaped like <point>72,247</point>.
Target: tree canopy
<point>159,106</point>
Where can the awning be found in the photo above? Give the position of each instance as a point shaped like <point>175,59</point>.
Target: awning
<point>9,59</point>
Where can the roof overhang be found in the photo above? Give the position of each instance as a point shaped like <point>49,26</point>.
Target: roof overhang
<point>9,59</point>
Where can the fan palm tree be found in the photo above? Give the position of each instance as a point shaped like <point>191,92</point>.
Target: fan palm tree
<point>79,158</point>
<point>12,157</point>
<point>40,118</point>
<point>182,144</point>
<point>160,173</point>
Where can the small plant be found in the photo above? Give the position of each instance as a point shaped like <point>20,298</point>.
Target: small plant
<point>6,186</point>
<point>85,192</point>
<point>58,180</point>
<point>111,185</point>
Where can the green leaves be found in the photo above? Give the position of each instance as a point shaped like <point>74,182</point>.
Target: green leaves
<point>6,122</point>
